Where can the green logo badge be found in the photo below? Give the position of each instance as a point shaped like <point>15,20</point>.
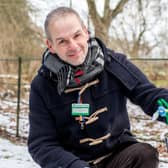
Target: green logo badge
<point>79,109</point>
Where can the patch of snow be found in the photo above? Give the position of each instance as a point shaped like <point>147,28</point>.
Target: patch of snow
<point>12,155</point>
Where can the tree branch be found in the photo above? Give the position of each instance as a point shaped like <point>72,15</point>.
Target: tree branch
<point>119,8</point>
<point>93,12</point>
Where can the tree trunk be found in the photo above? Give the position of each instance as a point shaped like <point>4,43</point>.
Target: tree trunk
<point>102,24</point>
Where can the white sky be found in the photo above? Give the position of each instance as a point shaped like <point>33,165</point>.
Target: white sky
<point>45,6</point>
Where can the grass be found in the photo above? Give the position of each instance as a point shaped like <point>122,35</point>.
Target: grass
<point>161,83</point>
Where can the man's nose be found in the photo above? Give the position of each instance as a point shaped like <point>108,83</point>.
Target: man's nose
<point>73,44</point>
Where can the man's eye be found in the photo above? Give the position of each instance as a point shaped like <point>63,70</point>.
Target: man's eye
<point>61,42</point>
<point>77,35</point>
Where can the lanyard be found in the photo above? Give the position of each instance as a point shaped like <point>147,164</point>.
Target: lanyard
<point>80,110</point>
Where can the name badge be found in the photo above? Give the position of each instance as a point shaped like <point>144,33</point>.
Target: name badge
<point>79,109</point>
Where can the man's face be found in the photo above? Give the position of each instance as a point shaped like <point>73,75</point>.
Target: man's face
<point>68,39</point>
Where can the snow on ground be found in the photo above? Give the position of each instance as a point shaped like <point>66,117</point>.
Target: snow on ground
<point>8,116</point>
<point>12,155</point>
<point>16,155</point>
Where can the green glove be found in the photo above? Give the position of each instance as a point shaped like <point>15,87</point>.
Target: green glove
<point>162,110</point>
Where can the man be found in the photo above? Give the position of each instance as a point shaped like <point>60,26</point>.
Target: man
<point>78,116</point>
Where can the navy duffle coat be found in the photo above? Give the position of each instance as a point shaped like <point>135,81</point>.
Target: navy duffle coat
<point>55,135</point>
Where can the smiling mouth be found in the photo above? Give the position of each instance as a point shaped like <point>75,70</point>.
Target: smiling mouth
<point>73,54</point>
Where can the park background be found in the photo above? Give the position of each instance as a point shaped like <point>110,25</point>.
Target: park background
<point>137,28</point>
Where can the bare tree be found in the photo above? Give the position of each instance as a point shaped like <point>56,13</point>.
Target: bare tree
<point>133,33</point>
<point>129,27</point>
<point>102,24</point>
<point>19,35</point>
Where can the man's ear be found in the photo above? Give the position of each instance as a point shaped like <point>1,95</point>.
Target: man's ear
<point>49,45</point>
<point>85,29</point>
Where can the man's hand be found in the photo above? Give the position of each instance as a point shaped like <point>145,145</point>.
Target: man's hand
<point>162,110</point>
